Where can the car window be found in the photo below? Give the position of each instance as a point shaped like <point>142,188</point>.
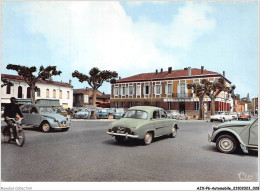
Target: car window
<point>163,114</point>
<point>25,109</point>
<point>156,114</point>
<point>34,110</point>
<point>136,114</point>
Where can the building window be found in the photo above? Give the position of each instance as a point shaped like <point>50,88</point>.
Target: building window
<point>60,95</point>
<point>138,90</point>
<point>169,105</point>
<point>68,95</point>
<point>116,91</point>
<point>28,92</point>
<point>20,92</point>
<point>138,104</point>
<point>146,103</point>
<point>168,89</point>
<point>123,90</point>
<point>130,104</point>
<point>47,93</point>
<point>54,93</point>
<point>196,105</point>
<point>182,88</point>
<point>158,89</point>
<point>157,104</point>
<point>8,89</point>
<point>146,89</point>
<point>39,92</point>
<point>131,90</point>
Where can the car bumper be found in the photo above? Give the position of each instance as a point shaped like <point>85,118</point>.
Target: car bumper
<point>126,135</point>
<point>65,127</point>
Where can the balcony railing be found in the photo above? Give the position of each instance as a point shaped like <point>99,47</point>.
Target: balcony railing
<point>182,95</point>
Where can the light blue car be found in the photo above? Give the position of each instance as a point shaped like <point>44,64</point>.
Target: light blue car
<point>43,117</point>
<point>102,113</point>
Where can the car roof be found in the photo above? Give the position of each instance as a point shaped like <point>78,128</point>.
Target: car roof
<point>145,108</point>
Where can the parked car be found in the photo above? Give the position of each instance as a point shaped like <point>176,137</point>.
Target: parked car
<point>112,111</point>
<point>175,114</point>
<point>145,123</point>
<point>221,116</point>
<point>82,113</point>
<point>245,116</point>
<point>102,113</point>
<point>61,111</point>
<point>234,115</point>
<point>230,136</point>
<point>44,117</point>
<point>119,113</point>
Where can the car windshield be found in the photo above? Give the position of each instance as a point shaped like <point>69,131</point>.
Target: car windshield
<point>46,109</point>
<point>102,110</point>
<point>136,114</point>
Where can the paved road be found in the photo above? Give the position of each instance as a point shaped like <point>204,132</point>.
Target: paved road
<point>86,153</point>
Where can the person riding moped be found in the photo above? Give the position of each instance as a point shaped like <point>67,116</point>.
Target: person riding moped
<point>12,111</point>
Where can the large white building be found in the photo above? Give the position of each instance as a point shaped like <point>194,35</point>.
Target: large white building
<point>48,89</point>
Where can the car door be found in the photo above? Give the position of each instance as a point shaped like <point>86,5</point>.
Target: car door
<point>35,117</point>
<point>253,134</point>
<point>26,114</point>
<point>157,123</point>
<point>167,125</point>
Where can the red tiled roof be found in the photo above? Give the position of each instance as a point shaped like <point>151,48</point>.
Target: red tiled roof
<point>20,78</point>
<point>82,91</point>
<point>166,75</point>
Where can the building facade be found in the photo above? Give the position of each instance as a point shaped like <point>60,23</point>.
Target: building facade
<point>84,97</point>
<point>255,105</point>
<point>168,90</point>
<point>47,89</point>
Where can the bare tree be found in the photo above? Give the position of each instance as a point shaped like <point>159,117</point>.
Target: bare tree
<point>30,78</point>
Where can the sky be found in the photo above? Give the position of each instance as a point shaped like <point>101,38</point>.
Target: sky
<point>134,37</point>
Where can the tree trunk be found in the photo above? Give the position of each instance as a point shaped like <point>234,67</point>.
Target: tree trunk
<point>33,93</point>
<point>201,116</point>
<point>94,101</point>
<point>212,108</point>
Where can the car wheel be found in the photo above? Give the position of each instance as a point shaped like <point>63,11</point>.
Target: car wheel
<point>45,127</point>
<point>148,138</point>
<point>119,139</point>
<point>174,132</point>
<point>226,144</point>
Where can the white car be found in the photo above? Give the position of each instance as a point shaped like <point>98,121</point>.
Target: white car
<point>221,116</point>
<point>234,115</point>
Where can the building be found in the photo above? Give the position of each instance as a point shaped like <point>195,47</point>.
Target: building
<point>84,97</point>
<point>47,89</point>
<point>255,106</point>
<point>168,89</point>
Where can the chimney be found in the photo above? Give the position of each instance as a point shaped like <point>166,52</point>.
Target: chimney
<point>202,69</point>
<point>224,73</point>
<point>169,70</point>
<point>189,71</point>
<point>156,71</point>
<point>119,77</point>
<point>161,70</point>
<point>69,82</point>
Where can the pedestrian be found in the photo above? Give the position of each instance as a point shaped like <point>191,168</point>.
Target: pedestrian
<point>69,113</point>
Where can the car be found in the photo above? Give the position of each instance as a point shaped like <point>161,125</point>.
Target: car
<point>244,116</point>
<point>82,113</point>
<point>221,116</point>
<point>119,113</point>
<point>43,117</point>
<point>112,111</point>
<point>234,115</point>
<point>102,113</point>
<point>175,114</point>
<point>144,123</point>
<point>61,111</point>
<point>231,136</point>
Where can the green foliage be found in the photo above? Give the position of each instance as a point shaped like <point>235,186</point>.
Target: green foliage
<point>6,83</point>
<point>96,77</point>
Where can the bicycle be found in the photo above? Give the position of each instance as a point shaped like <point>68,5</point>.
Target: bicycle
<point>8,133</point>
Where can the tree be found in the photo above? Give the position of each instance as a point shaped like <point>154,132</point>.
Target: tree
<point>200,90</point>
<point>95,79</point>
<point>6,83</point>
<point>231,91</point>
<point>30,78</point>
